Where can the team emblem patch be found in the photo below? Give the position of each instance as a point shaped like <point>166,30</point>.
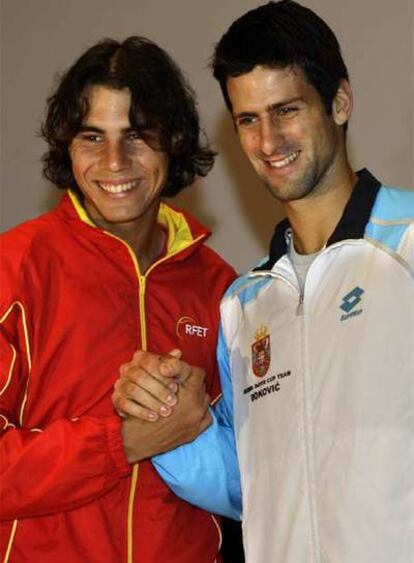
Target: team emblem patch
<point>261,352</point>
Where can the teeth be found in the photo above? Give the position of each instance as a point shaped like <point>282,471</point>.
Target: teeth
<point>119,188</point>
<point>281,163</point>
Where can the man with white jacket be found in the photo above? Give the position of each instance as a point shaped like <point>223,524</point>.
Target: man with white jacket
<point>316,346</point>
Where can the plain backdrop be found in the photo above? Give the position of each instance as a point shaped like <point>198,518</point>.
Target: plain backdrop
<point>40,38</point>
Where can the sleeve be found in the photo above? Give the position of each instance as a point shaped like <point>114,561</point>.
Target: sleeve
<point>56,468</point>
<point>205,472</point>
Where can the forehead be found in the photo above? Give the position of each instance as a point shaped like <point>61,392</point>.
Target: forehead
<point>264,86</point>
<point>107,105</point>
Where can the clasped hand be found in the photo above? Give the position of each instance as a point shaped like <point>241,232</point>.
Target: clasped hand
<point>163,403</point>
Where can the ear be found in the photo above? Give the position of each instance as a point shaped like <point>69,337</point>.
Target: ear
<point>342,103</point>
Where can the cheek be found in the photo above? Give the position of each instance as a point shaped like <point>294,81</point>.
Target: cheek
<point>248,143</point>
<point>161,166</point>
<point>298,130</point>
<point>325,142</point>
<point>82,159</point>
<point>76,167</point>
<point>78,161</point>
<point>84,169</point>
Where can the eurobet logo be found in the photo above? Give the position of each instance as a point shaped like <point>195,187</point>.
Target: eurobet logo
<point>350,301</point>
<point>187,326</point>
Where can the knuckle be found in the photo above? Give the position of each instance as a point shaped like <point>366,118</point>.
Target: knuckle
<point>125,403</point>
<point>138,355</point>
<point>121,403</point>
<point>133,375</point>
<point>115,399</point>
<point>128,388</point>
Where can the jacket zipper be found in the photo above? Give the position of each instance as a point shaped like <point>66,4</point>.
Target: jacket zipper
<point>134,478</point>
<point>306,406</point>
<point>308,434</point>
<point>308,447</point>
<point>142,282</point>
<point>307,409</point>
<point>301,283</point>
<point>141,301</point>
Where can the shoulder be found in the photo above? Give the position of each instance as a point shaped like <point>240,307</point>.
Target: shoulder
<point>246,287</point>
<point>18,239</point>
<point>391,224</point>
<point>211,271</point>
<point>394,204</point>
<point>19,245</point>
<point>212,258</point>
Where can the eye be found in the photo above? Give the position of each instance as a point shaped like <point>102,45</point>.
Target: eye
<point>134,136</point>
<point>246,121</point>
<point>287,111</point>
<point>91,137</point>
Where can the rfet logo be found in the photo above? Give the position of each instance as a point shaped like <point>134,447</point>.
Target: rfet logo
<point>188,326</point>
<point>261,352</point>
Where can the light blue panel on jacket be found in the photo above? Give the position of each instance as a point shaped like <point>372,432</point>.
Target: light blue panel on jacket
<point>394,204</point>
<point>205,472</point>
<point>392,214</point>
<point>247,288</point>
<point>389,236</point>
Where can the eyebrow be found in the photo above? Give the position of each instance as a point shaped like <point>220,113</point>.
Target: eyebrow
<point>269,108</point>
<point>86,127</point>
<point>92,128</point>
<point>283,103</point>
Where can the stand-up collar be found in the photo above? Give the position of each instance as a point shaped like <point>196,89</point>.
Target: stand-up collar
<point>184,231</point>
<point>350,226</point>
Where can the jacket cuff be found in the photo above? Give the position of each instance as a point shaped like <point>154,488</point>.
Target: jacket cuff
<point>116,447</point>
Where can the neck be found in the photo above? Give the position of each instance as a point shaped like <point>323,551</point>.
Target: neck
<point>147,243</point>
<point>314,218</point>
<point>143,234</point>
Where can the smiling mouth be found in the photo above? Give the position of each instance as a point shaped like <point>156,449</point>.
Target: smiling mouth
<point>281,163</point>
<point>112,188</point>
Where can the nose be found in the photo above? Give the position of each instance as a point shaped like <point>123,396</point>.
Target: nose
<point>268,136</point>
<point>115,156</point>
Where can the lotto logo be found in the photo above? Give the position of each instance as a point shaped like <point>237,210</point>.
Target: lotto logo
<point>351,299</point>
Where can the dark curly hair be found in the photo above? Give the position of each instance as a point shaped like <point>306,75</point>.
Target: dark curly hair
<point>163,109</point>
<point>278,35</point>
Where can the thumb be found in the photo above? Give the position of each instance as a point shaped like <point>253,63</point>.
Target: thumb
<point>175,353</point>
<point>192,376</point>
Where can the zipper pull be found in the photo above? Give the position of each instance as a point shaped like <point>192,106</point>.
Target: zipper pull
<point>288,236</point>
<point>299,308</point>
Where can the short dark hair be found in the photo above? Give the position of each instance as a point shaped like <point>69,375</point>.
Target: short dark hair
<point>279,35</point>
<point>163,109</point>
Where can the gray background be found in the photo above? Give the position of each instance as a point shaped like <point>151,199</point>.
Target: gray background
<point>40,38</point>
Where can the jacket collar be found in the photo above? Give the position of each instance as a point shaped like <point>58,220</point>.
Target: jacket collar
<point>351,225</point>
<point>184,231</point>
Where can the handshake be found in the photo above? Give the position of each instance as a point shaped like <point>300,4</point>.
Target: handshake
<point>163,403</point>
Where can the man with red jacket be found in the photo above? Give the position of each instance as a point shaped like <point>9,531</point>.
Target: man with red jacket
<point>111,269</point>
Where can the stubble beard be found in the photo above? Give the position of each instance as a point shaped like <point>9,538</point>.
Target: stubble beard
<point>310,183</point>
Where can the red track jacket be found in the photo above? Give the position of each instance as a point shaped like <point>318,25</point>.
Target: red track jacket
<point>74,307</point>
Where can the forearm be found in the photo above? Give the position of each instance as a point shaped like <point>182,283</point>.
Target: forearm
<point>205,472</point>
<point>63,466</point>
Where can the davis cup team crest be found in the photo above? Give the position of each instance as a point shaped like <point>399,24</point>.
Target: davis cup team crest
<point>261,352</point>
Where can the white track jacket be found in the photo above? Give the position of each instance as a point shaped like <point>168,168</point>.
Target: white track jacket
<point>318,388</point>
